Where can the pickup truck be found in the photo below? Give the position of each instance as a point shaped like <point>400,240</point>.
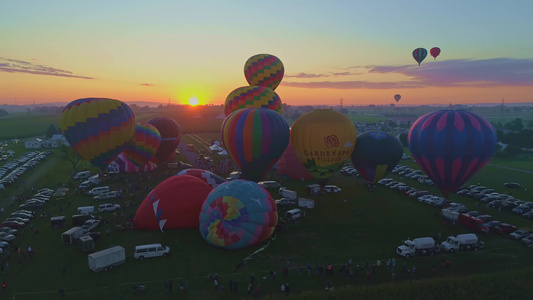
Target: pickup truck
<point>90,225</point>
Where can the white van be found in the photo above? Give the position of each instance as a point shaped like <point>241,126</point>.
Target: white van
<point>150,250</point>
<point>99,190</point>
<point>269,184</point>
<point>83,175</point>
<point>85,210</point>
<point>332,189</point>
<point>293,214</point>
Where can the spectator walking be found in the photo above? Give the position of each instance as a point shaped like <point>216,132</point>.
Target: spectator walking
<point>287,289</point>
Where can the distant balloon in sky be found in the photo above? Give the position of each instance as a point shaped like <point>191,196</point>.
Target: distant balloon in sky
<point>435,51</point>
<point>264,70</point>
<point>252,96</point>
<point>451,146</point>
<point>323,139</point>
<point>397,97</point>
<point>98,128</point>
<point>419,54</point>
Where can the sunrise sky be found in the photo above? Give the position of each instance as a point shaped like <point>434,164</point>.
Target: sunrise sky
<point>360,51</point>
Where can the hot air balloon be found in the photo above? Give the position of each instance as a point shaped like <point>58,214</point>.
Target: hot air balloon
<point>174,203</point>
<point>419,54</point>
<point>323,139</point>
<point>170,133</point>
<point>238,214</point>
<point>289,164</point>
<point>97,128</point>
<point>435,51</point>
<point>252,96</point>
<point>397,97</point>
<point>143,145</point>
<point>122,164</point>
<point>375,154</point>
<point>255,138</point>
<point>264,70</point>
<point>210,178</point>
<point>450,146</point>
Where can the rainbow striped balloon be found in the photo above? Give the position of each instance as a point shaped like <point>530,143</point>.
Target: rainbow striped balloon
<point>264,70</point>
<point>255,138</point>
<point>98,128</point>
<point>143,145</point>
<point>238,214</point>
<point>252,96</point>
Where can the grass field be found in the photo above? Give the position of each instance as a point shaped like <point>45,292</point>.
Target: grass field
<point>367,226</point>
<point>24,125</point>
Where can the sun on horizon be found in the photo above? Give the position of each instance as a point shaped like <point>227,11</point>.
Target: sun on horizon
<point>193,101</point>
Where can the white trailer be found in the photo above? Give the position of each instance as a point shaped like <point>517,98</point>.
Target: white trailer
<point>107,259</point>
<point>450,214</point>
<point>68,237</point>
<point>288,194</point>
<point>307,203</point>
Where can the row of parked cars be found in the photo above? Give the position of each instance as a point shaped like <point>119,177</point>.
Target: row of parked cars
<point>410,173</point>
<point>493,199</point>
<point>12,170</point>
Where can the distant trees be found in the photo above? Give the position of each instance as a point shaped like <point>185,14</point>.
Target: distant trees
<point>3,113</point>
<point>516,125</point>
<point>51,131</point>
<point>68,154</point>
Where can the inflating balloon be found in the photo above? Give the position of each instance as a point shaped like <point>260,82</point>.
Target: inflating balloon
<point>264,70</point>
<point>252,96</point>
<point>255,138</point>
<point>289,164</point>
<point>122,164</point>
<point>170,133</point>
<point>174,203</point>
<point>238,214</point>
<point>397,97</point>
<point>435,51</point>
<point>323,139</point>
<point>97,128</point>
<point>375,154</point>
<point>143,145</point>
<point>210,178</point>
<point>419,54</point>
<point>450,146</point>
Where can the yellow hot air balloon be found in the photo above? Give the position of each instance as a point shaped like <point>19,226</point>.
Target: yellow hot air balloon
<point>323,139</point>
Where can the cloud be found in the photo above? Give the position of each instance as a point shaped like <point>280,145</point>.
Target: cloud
<point>448,73</point>
<point>305,75</point>
<point>20,66</point>
<point>147,84</point>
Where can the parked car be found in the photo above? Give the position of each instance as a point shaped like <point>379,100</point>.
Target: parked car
<point>18,219</point>
<point>504,229</point>
<point>108,207</point>
<point>9,230</point>
<point>6,237</point>
<point>285,202</point>
<point>519,234</point>
<point>485,218</point>
<point>13,224</point>
<point>528,240</point>
<point>512,185</point>
<point>90,225</point>
<point>107,196</point>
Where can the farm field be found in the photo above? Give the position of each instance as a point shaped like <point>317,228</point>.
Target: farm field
<point>366,226</point>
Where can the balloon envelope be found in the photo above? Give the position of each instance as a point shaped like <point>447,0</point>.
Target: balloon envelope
<point>264,70</point>
<point>97,128</point>
<point>255,138</point>
<point>450,146</point>
<point>435,51</point>
<point>397,97</point>
<point>238,214</point>
<point>170,133</point>
<point>174,203</point>
<point>143,145</point>
<point>208,177</point>
<point>289,165</point>
<point>323,139</point>
<point>375,154</point>
<point>419,54</point>
<point>252,96</point>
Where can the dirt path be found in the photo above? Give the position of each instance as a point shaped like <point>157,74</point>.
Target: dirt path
<point>512,169</point>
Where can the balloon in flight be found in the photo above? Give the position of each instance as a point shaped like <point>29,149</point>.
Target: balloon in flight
<point>264,70</point>
<point>252,96</point>
<point>323,139</point>
<point>435,51</point>
<point>419,54</point>
<point>255,138</point>
<point>451,146</point>
<point>238,214</point>
<point>98,128</point>
<point>397,97</point>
